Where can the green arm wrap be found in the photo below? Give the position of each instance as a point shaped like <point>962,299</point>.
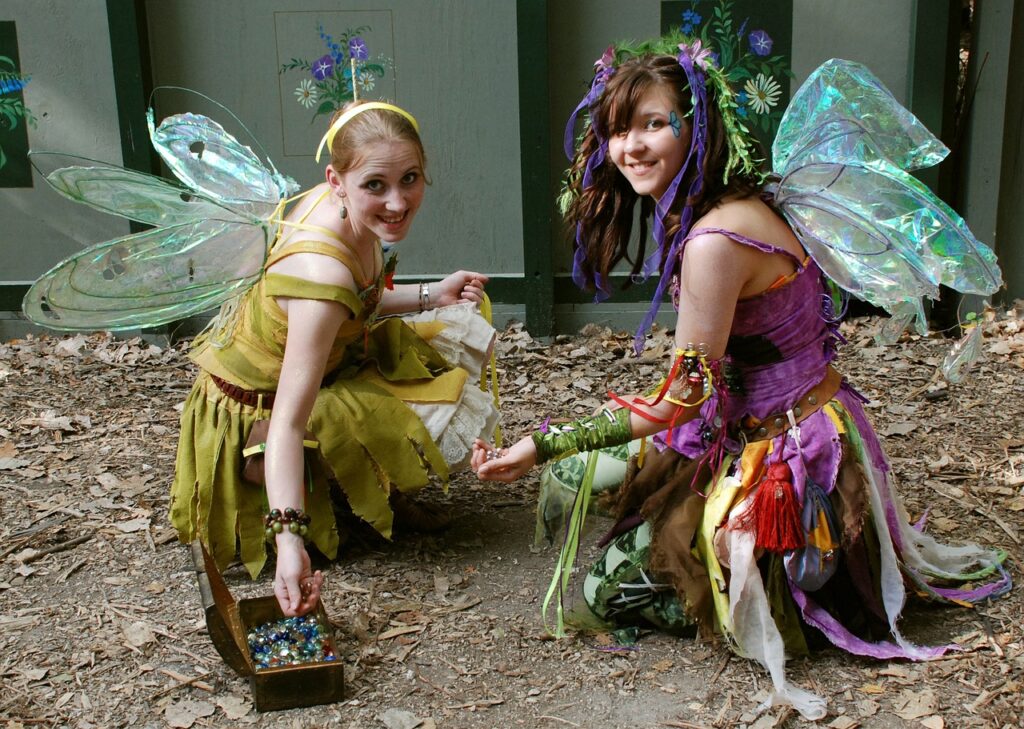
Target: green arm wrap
<point>607,428</point>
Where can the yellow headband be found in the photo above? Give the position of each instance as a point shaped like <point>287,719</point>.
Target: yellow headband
<point>328,139</point>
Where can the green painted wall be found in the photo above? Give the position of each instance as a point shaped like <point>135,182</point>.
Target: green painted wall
<point>65,47</point>
<point>454,69</point>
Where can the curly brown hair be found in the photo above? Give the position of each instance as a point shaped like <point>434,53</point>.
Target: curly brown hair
<point>605,209</point>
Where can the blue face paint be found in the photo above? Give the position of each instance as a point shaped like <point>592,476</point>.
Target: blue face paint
<point>677,126</point>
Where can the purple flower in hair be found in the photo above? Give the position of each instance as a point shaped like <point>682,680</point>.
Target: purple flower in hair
<point>357,49</point>
<point>605,65</point>
<point>323,67</point>
<point>760,43</point>
<point>702,57</point>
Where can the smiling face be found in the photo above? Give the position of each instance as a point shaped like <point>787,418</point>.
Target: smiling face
<point>650,148</point>
<point>383,191</point>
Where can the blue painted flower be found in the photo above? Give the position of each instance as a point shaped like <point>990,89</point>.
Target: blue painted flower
<point>357,49</point>
<point>11,85</point>
<point>741,104</point>
<point>760,42</point>
<point>691,20</point>
<point>323,67</point>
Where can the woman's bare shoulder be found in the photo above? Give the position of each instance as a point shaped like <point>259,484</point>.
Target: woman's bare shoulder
<point>738,215</point>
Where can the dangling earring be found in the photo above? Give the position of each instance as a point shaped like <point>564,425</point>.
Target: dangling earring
<point>344,211</point>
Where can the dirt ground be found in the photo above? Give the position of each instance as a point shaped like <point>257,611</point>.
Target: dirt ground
<point>101,624</point>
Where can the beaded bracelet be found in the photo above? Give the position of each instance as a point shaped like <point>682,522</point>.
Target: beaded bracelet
<point>296,520</point>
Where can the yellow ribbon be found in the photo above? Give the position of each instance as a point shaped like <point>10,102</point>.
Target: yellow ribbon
<point>328,138</point>
<point>487,313</point>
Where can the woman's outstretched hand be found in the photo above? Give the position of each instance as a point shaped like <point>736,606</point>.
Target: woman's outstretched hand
<point>296,586</point>
<point>506,464</point>
<point>459,288</point>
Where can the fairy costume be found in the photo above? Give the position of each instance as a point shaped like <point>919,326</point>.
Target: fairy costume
<point>400,399</point>
<point>366,435</point>
<point>772,515</point>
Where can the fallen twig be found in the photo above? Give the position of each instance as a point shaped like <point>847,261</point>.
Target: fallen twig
<point>62,547</point>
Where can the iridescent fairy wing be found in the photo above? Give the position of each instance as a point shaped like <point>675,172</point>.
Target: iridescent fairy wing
<point>150,278</point>
<point>130,194</point>
<point>207,158</point>
<point>211,241</point>
<point>843,153</point>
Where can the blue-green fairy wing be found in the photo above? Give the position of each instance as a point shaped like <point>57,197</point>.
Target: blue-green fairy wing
<point>134,195</point>
<point>843,152</point>
<point>212,232</point>
<point>150,278</point>
<point>209,159</point>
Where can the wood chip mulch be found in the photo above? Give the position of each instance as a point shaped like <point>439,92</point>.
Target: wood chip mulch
<point>101,625</point>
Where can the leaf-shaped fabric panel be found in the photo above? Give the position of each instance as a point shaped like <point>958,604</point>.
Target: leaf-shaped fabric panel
<point>150,278</point>
<point>847,92</point>
<point>207,158</point>
<point>130,194</point>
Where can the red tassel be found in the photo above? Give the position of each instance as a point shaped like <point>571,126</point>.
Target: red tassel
<point>775,513</point>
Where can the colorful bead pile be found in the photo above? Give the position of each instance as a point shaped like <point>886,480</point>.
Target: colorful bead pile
<point>289,642</point>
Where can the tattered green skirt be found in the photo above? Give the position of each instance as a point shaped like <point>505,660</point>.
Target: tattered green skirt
<point>373,435</point>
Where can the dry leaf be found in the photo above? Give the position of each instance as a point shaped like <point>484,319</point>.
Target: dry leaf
<point>440,585</point>
<point>843,722</point>
<point>183,714</point>
<point>867,707</point>
<point>133,525</point>
<point>7,450</point>
<point>913,704</point>
<point>871,688</point>
<point>399,719</point>
<point>234,706</point>
<point>139,634</point>
<point>933,722</point>
<point>898,429</point>
<point>9,464</point>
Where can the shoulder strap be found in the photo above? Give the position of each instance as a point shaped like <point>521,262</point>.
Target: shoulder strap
<point>279,284</point>
<point>744,240</point>
<point>316,246</point>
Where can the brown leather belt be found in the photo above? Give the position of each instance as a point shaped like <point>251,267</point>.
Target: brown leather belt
<point>239,394</point>
<point>809,402</point>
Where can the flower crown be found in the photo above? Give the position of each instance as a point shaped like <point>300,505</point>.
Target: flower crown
<point>702,75</point>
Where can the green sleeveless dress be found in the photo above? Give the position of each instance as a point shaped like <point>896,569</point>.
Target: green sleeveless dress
<point>369,436</point>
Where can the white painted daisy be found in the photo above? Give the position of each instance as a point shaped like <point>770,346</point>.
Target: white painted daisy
<point>763,92</point>
<point>306,93</point>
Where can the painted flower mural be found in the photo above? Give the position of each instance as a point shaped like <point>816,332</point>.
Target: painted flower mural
<point>745,58</point>
<point>12,109</point>
<point>327,82</point>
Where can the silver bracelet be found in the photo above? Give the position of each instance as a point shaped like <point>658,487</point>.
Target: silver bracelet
<point>424,296</point>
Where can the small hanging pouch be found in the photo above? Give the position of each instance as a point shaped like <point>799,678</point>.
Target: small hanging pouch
<point>812,565</point>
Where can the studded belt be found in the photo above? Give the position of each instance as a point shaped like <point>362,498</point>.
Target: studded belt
<point>239,394</point>
<point>809,402</point>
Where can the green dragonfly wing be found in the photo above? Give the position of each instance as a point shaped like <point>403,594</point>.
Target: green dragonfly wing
<point>150,278</point>
<point>130,194</point>
<point>208,159</point>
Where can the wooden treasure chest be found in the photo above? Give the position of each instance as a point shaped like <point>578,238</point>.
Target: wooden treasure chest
<point>233,625</point>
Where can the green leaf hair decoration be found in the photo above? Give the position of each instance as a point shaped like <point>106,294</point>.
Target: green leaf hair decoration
<point>739,139</point>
